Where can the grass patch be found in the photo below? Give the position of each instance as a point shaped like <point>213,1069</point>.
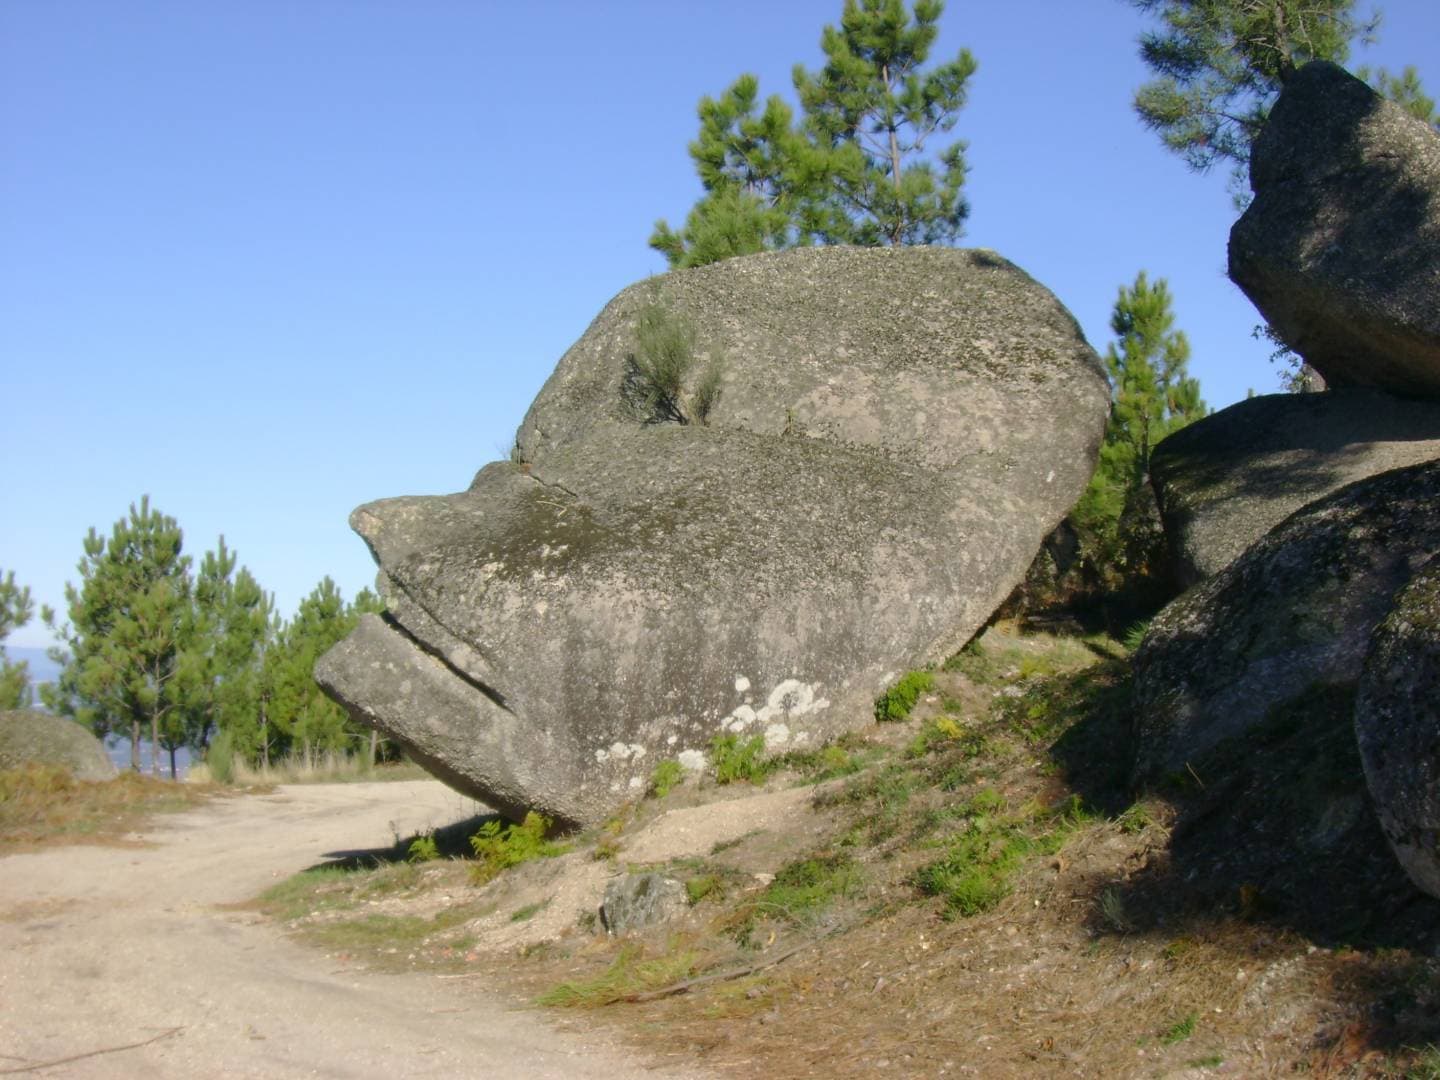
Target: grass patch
<point>895,704</point>
<point>800,895</point>
<point>499,846</point>
<point>738,759</point>
<point>982,859</point>
<point>1180,1030</point>
<point>628,975</point>
<point>825,763</point>
<point>529,911</point>
<point>666,777</point>
<point>45,804</point>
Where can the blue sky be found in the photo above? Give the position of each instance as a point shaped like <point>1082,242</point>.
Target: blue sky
<point>266,261</point>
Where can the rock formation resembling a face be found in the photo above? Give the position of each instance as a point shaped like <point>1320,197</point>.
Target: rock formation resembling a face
<point>887,435</point>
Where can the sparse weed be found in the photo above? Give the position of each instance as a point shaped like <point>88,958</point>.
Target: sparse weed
<point>826,763</point>
<point>1135,819</point>
<point>1179,1031</point>
<point>1112,910</point>
<point>666,777</point>
<point>499,846</point>
<point>698,888</point>
<point>940,730</point>
<point>529,911</point>
<point>895,704</point>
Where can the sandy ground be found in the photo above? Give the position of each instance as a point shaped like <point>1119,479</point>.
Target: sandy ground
<point>102,948</point>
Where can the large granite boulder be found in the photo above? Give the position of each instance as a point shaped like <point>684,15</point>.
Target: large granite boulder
<point>1397,721</point>
<point>1340,249</point>
<point>1227,480</point>
<point>896,431</point>
<point>1295,612</point>
<point>29,736</point>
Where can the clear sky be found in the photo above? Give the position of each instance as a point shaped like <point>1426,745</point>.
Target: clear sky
<point>266,261</point>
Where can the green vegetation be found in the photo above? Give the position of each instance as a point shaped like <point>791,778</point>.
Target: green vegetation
<point>423,849</point>
<point>1179,1031</point>
<point>628,975</point>
<point>739,759</point>
<point>827,762</point>
<point>156,649</point>
<point>982,858</point>
<point>666,777</point>
<point>499,846</point>
<point>1117,518</point>
<point>857,168</point>
<point>896,703</point>
<point>528,911</point>
<point>661,365</point>
<point>16,609</point>
<point>802,892</point>
<point>1220,64</point>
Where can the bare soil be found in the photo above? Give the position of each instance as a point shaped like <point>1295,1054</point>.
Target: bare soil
<point>144,960</point>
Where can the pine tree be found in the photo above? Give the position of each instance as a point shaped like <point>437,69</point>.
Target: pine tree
<point>747,165</point>
<point>1405,90</point>
<point>220,668</point>
<point>1151,396</point>
<point>858,168</point>
<point>1221,63</point>
<point>874,111</point>
<point>128,625</point>
<point>16,609</point>
<point>300,715</point>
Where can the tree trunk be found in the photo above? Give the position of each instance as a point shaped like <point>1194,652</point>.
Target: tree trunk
<point>173,775</point>
<point>155,745</point>
<point>264,741</point>
<point>135,745</point>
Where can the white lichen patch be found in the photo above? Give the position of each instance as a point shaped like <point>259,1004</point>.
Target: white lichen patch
<point>741,684</point>
<point>790,699</point>
<point>740,719</point>
<point>692,760</point>
<point>776,735</point>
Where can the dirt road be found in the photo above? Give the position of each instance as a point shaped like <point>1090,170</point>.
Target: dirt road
<point>101,948</point>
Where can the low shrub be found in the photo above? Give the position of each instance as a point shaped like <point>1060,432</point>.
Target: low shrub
<point>499,846</point>
<point>895,704</point>
<point>739,759</point>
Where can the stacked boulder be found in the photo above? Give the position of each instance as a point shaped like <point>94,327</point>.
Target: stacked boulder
<point>854,461</point>
<point>1308,525</point>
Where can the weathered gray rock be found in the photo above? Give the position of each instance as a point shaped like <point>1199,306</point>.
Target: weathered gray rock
<point>30,736</point>
<point>638,901</point>
<point>1340,249</point>
<point>1227,480</point>
<point>1295,611</point>
<point>1397,721</point>
<point>896,433</point>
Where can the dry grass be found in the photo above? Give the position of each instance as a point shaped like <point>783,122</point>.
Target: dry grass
<point>42,805</point>
<point>327,768</point>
